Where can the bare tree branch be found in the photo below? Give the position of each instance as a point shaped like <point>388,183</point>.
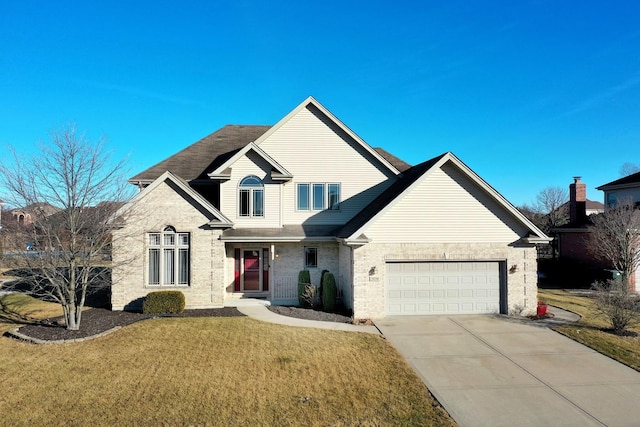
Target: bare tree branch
<point>74,178</point>
<point>629,168</point>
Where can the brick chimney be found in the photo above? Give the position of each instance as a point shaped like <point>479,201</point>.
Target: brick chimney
<point>577,201</point>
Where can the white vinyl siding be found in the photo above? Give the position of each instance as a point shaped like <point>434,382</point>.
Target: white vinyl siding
<point>447,207</point>
<point>251,164</point>
<point>324,154</point>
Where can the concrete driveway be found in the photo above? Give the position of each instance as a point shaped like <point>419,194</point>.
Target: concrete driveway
<point>495,371</point>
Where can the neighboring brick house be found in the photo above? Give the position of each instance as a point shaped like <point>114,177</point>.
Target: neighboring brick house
<point>573,238</point>
<point>239,213</point>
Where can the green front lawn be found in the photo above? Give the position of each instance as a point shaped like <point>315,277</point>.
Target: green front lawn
<point>210,371</point>
<point>589,330</point>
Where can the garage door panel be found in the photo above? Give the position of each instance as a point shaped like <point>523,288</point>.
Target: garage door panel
<point>443,288</point>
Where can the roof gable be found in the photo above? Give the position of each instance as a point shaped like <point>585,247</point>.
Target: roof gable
<point>414,176</point>
<point>218,219</point>
<point>310,101</point>
<point>223,169</point>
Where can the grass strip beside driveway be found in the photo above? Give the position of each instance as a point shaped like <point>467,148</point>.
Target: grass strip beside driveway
<point>214,371</point>
<point>590,330</point>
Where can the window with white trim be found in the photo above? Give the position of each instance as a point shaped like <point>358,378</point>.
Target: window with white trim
<point>310,257</point>
<point>251,197</point>
<point>318,196</point>
<point>169,258</point>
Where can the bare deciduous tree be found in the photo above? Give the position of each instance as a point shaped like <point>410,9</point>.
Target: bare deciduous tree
<point>550,202</point>
<point>69,254</point>
<point>615,238</point>
<point>629,168</point>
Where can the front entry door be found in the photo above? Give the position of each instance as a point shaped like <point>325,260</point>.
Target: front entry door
<point>252,270</point>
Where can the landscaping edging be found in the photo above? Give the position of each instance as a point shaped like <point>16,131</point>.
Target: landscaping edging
<point>13,333</point>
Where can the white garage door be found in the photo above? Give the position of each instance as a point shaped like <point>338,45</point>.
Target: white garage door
<point>415,288</point>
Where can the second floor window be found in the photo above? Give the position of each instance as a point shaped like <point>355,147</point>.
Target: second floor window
<point>318,196</point>
<point>251,197</point>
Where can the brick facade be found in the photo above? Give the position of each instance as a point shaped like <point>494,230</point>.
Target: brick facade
<point>167,206</point>
<point>369,296</point>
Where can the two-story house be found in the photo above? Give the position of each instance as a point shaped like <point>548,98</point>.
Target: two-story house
<point>623,190</point>
<point>242,211</point>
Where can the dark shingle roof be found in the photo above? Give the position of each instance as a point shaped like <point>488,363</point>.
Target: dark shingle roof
<point>397,163</point>
<point>634,178</point>
<point>201,157</point>
<point>408,177</point>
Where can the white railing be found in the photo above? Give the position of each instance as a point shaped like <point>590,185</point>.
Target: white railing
<point>286,288</point>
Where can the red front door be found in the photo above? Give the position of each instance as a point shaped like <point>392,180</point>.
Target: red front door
<point>252,273</point>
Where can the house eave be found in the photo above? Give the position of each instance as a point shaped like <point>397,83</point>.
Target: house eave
<point>536,240</point>
<point>268,239</point>
<point>219,176</point>
<point>281,177</point>
<point>215,224</point>
<point>355,242</point>
<point>618,186</point>
<point>140,182</point>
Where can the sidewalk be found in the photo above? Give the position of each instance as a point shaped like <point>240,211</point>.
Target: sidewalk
<point>258,310</point>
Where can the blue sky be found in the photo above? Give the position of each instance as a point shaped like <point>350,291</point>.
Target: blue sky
<point>527,93</point>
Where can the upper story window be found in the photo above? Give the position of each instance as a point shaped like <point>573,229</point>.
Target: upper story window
<point>318,196</point>
<point>168,258</point>
<point>251,197</point>
<point>612,200</point>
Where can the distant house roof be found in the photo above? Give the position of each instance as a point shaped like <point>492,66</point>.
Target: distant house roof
<point>205,155</point>
<point>590,205</point>
<point>632,180</point>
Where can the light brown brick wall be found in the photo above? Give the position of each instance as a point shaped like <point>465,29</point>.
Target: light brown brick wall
<point>369,296</point>
<point>162,207</point>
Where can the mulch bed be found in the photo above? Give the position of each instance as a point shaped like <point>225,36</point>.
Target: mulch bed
<point>310,314</point>
<point>98,320</point>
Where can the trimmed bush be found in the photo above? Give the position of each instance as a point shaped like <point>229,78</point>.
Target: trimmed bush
<point>329,292</point>
<point>321,282</point>
<point>304,280</point>
<point>163,302</point>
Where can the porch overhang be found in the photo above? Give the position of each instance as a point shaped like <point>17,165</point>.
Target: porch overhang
<point>358,241</point>
<point>287,233</point>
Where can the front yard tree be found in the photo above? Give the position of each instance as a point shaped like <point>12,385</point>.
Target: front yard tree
<point>69,249</point>
<point>615,238</point>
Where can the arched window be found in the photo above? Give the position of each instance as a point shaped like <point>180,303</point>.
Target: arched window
<point>251,197</point>
<point>168,258</point>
